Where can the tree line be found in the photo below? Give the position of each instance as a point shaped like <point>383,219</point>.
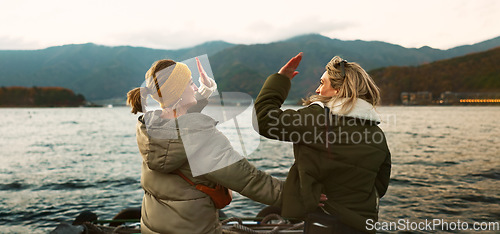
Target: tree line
<point>39,97</point>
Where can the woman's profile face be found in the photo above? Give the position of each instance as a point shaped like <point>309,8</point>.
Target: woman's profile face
<point>188,97</point>
<point>325,88</point>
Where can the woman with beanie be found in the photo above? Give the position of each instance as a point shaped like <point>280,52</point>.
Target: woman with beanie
<point>185,158</point>
<point>339,150</point>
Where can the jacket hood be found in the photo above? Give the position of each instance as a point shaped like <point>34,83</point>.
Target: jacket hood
<point>158,127</point>
<point>161,141</point>
<point>362,109</point>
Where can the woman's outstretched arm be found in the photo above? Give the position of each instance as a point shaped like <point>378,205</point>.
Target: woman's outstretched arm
<point>285,125</point>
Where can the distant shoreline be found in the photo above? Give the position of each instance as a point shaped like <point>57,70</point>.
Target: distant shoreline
<point>17,96</point>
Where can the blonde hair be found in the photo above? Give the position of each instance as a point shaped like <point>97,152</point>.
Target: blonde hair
<point>135,95</point>
<point>352,83</point>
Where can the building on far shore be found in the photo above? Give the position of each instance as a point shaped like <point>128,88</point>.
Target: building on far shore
<point>416,98</point>
<point>450,98</point>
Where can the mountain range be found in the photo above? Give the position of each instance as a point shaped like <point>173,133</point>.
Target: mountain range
<point>102,72</point>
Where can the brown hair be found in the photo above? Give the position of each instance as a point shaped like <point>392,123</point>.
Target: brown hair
<point>351,84</point>
<point>135,95</point>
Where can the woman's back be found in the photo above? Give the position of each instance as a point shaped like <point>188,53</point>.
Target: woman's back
<point>339,149</point>
<point>183,151</point>
<point>353,171</point>
<point>171,204</point>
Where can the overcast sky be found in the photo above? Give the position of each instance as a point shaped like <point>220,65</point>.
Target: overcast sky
<point>165,24</point>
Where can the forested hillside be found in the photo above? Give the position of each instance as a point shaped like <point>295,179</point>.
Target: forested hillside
<point>477,72</point>
<point>244,68</point>
<point>102,72</point>
<point>98,72</point>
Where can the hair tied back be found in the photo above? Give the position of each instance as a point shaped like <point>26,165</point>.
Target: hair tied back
<point>342,68</point>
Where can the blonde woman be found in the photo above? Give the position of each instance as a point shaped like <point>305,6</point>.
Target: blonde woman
<point>339,150</point>
<point>183,153</point>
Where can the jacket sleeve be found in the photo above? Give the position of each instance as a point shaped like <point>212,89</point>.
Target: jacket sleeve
<point>287,125</point>
<point>244,178</point>
<point>202,96</point>
<point>211,155</point>
<point>201,103</point>
<point>206,90</point>
<point>383,176</point>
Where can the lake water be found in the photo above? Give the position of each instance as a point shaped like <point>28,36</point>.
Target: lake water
<point>57,162</point>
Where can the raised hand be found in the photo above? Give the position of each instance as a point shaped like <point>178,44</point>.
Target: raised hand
<point>322,198</point>
<point>203,74</point>
<point>289,70</point>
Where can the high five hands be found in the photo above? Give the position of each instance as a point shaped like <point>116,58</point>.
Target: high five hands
<point>289,70</point>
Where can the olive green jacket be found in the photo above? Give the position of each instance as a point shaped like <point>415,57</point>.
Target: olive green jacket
<point>172,205</point>
<point>351,166</point>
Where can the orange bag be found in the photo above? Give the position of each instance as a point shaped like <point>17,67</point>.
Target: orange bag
<point>221,196</point>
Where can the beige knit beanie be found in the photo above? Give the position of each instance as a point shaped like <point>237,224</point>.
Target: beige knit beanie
<point>168,84</point>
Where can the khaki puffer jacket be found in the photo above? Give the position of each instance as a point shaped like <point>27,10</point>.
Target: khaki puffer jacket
<point>172,205</point>
<point>352,166</point>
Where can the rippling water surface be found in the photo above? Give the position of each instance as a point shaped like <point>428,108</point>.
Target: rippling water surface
<point>57,162</point>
